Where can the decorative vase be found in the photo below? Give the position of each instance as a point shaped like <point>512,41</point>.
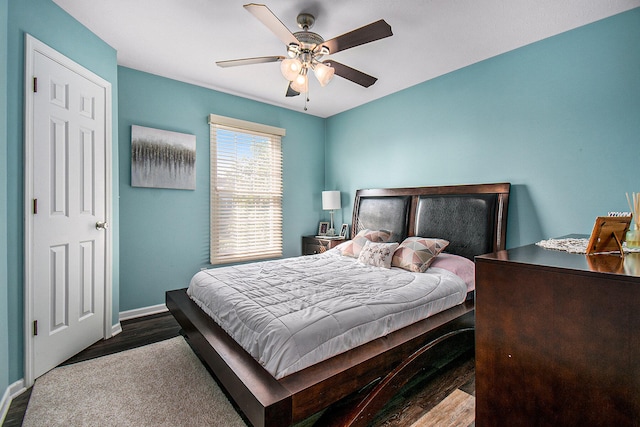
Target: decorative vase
<point>633,237</point>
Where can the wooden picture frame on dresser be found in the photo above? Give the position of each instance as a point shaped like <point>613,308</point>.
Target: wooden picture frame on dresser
<point>608,234</point>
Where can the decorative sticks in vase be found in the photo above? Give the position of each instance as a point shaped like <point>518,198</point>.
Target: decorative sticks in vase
<point>634,205</point>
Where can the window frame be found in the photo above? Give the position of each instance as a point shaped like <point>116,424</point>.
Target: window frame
<point>261,238</point>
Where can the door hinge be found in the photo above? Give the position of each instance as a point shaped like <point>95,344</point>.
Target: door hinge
<point>35,84</point>
<point>35,206</point>
<point>35,328</point>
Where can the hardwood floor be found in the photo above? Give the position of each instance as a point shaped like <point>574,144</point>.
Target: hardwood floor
<point>135,333</point>
<point>428,390</point>
<point>452,368</point>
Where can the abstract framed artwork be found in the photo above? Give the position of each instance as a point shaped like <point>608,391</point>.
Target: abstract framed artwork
<point>162,159</point>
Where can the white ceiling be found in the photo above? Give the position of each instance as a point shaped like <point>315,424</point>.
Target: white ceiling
<point>182,40</point>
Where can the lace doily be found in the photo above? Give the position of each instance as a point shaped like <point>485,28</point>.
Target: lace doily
<point>573,245</point>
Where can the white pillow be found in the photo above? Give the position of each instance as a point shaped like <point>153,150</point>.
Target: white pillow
<point>377,254</point>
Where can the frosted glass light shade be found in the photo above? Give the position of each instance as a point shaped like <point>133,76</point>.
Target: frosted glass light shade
<point>290,68</point>
<point>300,84</point>
<point>330,200</point>
<point>323,73</point>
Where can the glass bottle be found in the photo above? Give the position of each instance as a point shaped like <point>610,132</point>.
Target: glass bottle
<point>633,236</point>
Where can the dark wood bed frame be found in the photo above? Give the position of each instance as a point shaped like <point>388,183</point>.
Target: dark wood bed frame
<point>472,217</point>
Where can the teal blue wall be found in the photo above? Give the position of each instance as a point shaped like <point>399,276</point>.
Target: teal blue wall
<point>51,25</point>
<point>165,233</point>
<point>4,316</point>
<point>559,119</point>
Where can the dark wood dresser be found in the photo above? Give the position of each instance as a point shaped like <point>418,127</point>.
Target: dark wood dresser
<point>557,339</point>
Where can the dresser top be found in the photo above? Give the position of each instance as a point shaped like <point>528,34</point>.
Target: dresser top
<point>614,264</point>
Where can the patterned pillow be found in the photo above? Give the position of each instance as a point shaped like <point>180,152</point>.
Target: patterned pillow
<point>377,236</point>
<point>377,254</point>
<point>417,253</point>
<point>353,247</point>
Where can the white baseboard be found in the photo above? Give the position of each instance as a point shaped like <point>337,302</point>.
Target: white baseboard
<point>116,329</point>
<point>144,311</point>
<point>10,393</point>
<point>4,405</point>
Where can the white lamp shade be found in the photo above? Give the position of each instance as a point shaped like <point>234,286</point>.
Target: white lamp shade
<point>323,73</point>
<point>330,200</point>
<point>290,68</point>
<point>300,84</point>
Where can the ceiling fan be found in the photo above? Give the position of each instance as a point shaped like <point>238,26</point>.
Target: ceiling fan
<point>306,50</point>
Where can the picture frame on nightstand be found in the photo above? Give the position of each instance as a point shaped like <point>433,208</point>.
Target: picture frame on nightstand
<point>323,228</point>
<point>344,231</point>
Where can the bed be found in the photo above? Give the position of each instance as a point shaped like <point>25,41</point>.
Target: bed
<point>472,218</point>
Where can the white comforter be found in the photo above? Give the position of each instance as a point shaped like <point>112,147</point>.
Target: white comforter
<point>292,313</point>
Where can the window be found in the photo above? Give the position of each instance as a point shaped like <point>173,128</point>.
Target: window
<point>246,190</point>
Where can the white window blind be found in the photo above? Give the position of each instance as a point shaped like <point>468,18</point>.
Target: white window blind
<point>246,191</point>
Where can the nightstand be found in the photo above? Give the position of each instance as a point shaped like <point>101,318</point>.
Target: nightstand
<point>312,245</point>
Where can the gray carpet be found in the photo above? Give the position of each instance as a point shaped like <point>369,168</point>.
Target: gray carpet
<point>161,384</point>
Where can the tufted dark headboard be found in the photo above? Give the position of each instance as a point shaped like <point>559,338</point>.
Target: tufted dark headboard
<point>473,218</point>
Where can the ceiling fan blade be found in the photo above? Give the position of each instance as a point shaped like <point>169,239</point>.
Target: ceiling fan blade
<point>369,33</point>
<point>249,61</point>
<point>352,74</point>
<point>271,21</point>
<point>291,92</point>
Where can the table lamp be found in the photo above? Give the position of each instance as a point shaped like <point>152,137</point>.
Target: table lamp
<point>330,202</point>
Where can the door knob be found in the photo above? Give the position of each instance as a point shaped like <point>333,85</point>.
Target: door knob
<point>101,225</point>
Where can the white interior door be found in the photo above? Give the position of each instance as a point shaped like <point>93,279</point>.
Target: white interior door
<point>67,250</point>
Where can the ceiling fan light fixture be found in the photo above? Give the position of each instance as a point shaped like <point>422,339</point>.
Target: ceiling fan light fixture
<point>305,50</point>
<point>323,73</point>
<point>301,83</point>
<point>290,68</point>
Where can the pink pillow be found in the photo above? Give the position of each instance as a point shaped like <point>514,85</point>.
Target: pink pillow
<point>417,253</point>
<point>353,247</point>
<point>458,265</point>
